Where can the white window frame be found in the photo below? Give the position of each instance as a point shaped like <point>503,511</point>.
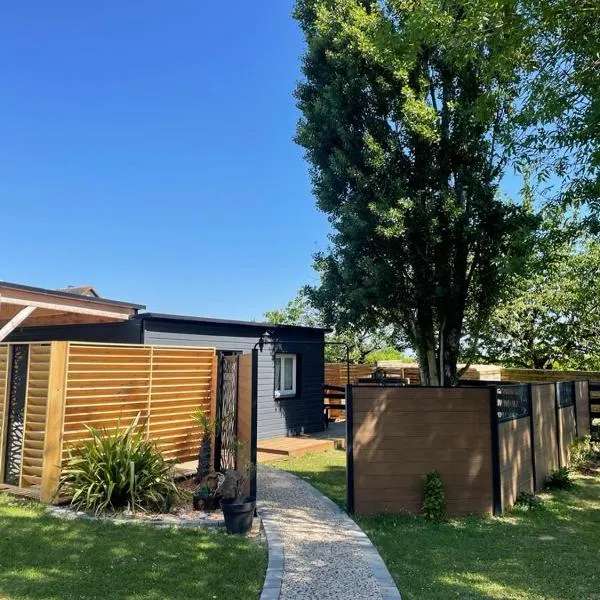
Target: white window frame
<point>281,393</point>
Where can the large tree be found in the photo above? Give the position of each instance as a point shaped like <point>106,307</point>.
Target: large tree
<point>559,109</point>
<point>406,107</point>
<point>550,317</point>
<point>353,342</point>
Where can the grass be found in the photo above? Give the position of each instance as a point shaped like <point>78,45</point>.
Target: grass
<point>48,558</point>
<point>546,554</point>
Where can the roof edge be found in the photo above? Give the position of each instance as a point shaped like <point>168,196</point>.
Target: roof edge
<point>48,292</point>
<point>151,316</point>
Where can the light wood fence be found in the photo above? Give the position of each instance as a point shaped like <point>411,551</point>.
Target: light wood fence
<point>488,443</point>
<point>72,385</point>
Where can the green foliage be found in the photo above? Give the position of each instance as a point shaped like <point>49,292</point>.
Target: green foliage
<point>117,469</point>
<point>208,428</point>
<point>434,497</point>
<point>560,106</point>
<point>387,353</point>
<point>559,479</point>
<point>584,453</point>
<point>550,316</point>
<point>405,122</point>
<point>528,501</point>
<point>359,341</point>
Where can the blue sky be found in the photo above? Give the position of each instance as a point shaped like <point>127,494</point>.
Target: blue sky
<point>146,148</point>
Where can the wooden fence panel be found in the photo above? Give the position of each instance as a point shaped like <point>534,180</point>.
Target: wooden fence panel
<point>543,404</point>
<point>111,385</point>
<point>568,432</point>
<point>582,403</point>
<point>244,415</point>
<point>35,415</point>
<point>181,382</point>
<point>515,457</point>
<point>401,434</point>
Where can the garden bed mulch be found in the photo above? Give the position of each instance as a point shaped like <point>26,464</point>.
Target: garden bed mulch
<point>181,513</point>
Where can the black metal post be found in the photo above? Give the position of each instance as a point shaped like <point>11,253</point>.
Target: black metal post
<point>496,483</point>
<point>254,420</point>
<point>349,450</point>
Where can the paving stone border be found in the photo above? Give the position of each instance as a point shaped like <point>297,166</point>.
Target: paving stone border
<point>273,583</point>
<point>274,576</point>
<point>65,512</point>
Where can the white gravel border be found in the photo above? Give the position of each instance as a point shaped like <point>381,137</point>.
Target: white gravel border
<point>272,521</point>
<point>67,513</point>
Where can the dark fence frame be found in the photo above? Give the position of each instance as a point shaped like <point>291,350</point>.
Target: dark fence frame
<point>521,408</point>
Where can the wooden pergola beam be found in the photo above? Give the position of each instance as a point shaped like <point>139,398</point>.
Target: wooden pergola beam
<point>69,308</point>
<point>9,327</point>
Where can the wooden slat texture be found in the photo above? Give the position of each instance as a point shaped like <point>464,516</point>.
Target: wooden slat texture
<point>35,414</point>
<point>244,412</point>
<point>567,431</point>
<point>543,404</point>
<point>401,434</point>
<point>516,467</point>
<point>4,354</point>
<point>110,385</point>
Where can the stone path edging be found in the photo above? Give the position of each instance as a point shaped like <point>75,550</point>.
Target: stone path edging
<point>368,552</point>
<point>274,576</point>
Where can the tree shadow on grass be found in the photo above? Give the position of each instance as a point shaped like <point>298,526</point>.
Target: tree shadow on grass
<point>44,557</point>
<point>541,554</point>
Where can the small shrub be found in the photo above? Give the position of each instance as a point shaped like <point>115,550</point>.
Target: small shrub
<point>585,454</point>
<point>118,469</point>
<point>528,501</point>
<point>560,479</point>
<point>434,497</point>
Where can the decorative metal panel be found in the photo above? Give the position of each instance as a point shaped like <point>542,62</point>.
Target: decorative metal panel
<point>513,402</point>
<point>227,414</point>
<point>565,394</point>
<point>15,413</point>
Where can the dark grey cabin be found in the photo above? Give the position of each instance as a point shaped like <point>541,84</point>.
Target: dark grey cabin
<point>290,359</point>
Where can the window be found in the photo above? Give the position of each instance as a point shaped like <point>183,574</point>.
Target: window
<point>285,375</point>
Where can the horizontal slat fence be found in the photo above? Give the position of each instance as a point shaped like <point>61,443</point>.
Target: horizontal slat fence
<point>73,385</point>
<point>489,444</point>
<point>107,386</point>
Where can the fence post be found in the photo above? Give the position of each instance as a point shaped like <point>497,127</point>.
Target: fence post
<point>532,435</point>
<point>496,484</point>
<point>55,408</point>
<point>349,450</point>
<point>557,418</point>
<point>254,426</point>
<point>575,409</point>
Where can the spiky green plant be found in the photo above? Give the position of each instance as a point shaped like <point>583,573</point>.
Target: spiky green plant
<point>118,468</point>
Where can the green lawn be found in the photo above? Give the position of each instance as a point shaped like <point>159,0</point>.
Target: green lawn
<point>548,554</point>
<point>44,557</point>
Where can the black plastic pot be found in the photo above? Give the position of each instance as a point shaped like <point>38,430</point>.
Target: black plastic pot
<point>238,514</point>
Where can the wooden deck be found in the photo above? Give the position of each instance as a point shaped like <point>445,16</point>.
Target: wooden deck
<point>287,447</point>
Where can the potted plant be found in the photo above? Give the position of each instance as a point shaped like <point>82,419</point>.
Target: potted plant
<point>207,495</point>
<point>238,508</point>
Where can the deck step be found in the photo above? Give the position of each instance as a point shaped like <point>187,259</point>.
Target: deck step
<point>289,447</point>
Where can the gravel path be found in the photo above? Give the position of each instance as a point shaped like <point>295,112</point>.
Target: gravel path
<point>315,550</point>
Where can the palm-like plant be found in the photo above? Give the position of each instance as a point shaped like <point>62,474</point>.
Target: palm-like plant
<point>118,468</point>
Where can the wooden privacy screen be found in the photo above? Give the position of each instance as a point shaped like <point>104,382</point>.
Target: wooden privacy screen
<point>71,385</point>
<point>515,460</point>
<point>543,406</point>
<point>244,416</point>
<point>401,434</point>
